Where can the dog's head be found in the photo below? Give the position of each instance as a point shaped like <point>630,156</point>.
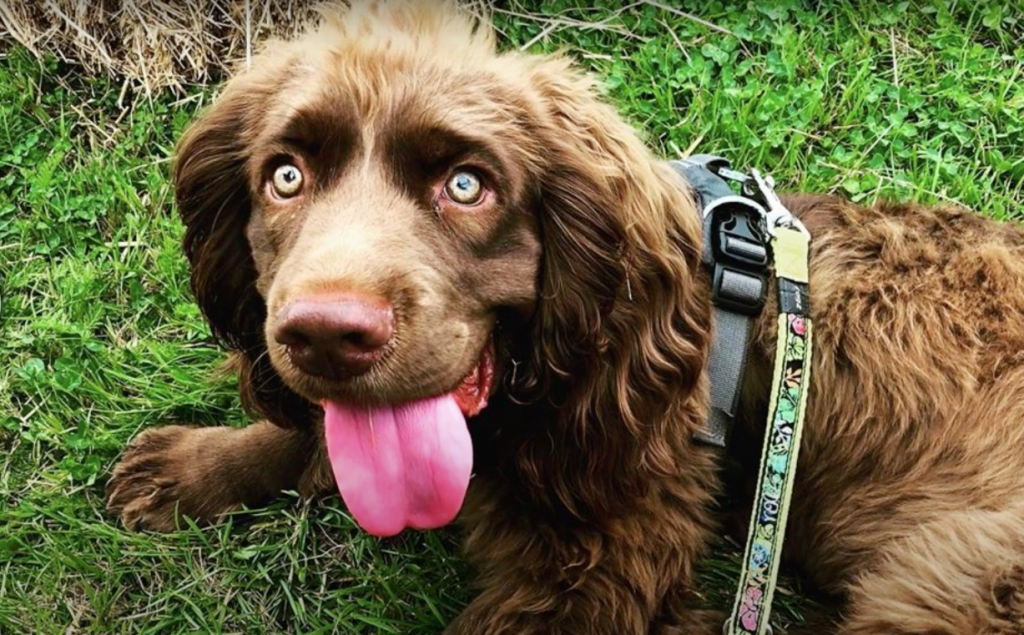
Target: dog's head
<point>367,205</point>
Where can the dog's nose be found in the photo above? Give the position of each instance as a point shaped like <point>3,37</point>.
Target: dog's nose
<point>335,336</point>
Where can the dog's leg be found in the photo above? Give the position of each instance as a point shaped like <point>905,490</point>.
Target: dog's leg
<point>553,600</point>
<point>204,473</point>
<point>962,574</point>
<point>536,577</point>
<point>535,599</point>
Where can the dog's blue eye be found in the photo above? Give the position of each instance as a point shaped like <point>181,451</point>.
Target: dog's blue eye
<point>287,180</point>
<point>464,188</point>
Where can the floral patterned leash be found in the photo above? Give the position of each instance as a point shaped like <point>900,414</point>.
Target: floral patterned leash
<point>790,243</point>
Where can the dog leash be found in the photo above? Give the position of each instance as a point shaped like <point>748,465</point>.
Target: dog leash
<point>790,242</point>
<point>736,252</point>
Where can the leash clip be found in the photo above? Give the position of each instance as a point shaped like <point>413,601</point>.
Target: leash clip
<point>763,189</point>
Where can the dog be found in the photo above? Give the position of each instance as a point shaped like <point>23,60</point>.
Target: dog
<point>458,286</point>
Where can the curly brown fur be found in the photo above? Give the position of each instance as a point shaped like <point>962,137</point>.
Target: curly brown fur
<point>591,499</point>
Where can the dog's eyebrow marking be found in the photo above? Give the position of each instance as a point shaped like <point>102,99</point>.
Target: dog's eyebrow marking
<point>441,144</point>
<point>316,126</point>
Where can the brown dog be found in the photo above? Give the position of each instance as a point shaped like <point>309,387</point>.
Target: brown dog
<point>394,225</point>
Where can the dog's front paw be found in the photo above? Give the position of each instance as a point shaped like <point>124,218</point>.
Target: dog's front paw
<point>154,481</point>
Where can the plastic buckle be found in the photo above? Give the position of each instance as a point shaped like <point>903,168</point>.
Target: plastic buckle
<point>738,254</point>
<point>736,238</point>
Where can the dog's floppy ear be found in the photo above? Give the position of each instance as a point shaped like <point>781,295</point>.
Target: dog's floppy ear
<point>621,320</point>
<point>213,199</point>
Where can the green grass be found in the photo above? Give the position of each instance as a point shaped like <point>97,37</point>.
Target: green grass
<point>100,338</point>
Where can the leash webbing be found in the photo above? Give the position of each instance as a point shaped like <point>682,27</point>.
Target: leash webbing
<point>790,246</point>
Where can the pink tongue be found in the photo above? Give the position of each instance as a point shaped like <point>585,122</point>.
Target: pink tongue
<point>401,466</point>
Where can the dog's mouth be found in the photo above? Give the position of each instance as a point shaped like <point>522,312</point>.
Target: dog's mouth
<point>408,465</point>
<point>472,393</point>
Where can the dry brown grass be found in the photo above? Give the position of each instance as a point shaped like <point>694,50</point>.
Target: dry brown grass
<point>156,44</point>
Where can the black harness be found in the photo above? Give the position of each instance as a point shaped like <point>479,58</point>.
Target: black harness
<point>736,255</point>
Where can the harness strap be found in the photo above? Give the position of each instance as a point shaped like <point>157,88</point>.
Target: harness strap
<point>736,256</point>
<point>725,369</point>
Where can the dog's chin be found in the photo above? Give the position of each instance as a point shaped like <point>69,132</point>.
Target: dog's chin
<point>471,392</point>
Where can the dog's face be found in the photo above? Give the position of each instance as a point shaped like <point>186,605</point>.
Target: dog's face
<point>388,228</point>
<point>366,203</point>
